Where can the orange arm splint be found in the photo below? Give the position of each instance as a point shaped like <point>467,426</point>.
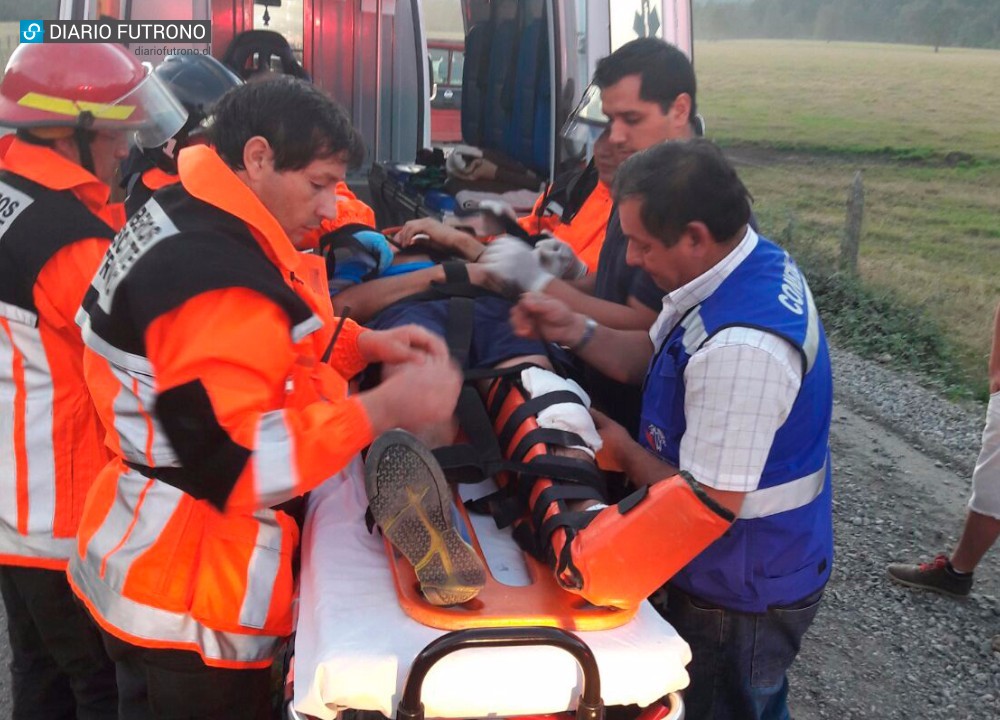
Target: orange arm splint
<point>632,548</point>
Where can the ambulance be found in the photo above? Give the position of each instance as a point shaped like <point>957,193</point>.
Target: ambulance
<point>526,66</point>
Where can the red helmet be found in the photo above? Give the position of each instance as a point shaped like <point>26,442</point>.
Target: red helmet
<point>86,85</point>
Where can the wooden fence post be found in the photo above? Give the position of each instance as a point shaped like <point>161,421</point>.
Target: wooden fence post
<point>851,241</point>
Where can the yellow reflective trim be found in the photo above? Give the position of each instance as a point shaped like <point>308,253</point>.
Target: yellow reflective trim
<point>62,106</point>
<point>108,112</point>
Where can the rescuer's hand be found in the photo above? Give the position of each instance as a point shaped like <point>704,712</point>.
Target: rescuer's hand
<point>616,442</point>
<point>546,318</point>
<point>404,344</point>
<point>514,264</point>
<point>558,258</point>
<point>415,396</point>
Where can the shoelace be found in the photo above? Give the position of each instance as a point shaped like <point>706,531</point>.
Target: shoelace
<point>938,563</point>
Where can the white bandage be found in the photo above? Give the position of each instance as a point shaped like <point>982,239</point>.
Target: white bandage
<point>985,498</point>
<point>570,417</point>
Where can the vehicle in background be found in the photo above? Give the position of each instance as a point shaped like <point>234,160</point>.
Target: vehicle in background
<point>525,65</point>
<point>447,60</point>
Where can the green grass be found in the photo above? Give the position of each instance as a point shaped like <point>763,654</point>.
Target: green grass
<point>851,95</point>
<point>800,118</point>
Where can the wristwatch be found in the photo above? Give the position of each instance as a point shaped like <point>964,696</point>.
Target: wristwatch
<point>589,327</point>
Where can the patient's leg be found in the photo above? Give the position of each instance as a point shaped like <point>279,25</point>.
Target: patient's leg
<point>432,436</point>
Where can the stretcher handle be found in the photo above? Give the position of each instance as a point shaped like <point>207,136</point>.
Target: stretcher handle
<point>590,705</point>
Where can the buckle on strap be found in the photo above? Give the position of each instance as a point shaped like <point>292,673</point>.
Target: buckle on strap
<point>782,498</point>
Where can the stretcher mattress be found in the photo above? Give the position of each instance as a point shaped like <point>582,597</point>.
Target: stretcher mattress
<point>354,645</point>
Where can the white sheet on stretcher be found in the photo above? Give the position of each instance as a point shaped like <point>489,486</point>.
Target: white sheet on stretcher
<point>354,645</point>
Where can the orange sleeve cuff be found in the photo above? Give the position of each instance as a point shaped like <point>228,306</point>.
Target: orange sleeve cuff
<point>346,358</point>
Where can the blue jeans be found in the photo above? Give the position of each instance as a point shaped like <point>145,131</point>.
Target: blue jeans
<point>739,660</point>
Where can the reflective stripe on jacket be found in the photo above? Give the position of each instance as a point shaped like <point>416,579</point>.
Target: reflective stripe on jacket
<point>55,225</point>
<point>204,356</point>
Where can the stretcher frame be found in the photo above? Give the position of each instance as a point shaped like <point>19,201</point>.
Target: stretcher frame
<point>661,649</point>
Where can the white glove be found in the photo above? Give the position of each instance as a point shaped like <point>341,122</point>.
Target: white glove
<point>558,258</point>
<point>515,265</point>
<point>498,208</point>
<point>460,158</point>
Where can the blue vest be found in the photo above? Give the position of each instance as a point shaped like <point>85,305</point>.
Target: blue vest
<point>780,548</point>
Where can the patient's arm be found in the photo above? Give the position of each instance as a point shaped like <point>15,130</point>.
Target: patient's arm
<point>369,298</point>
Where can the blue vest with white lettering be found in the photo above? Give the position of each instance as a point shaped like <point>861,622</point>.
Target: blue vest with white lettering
<point>780,549</point>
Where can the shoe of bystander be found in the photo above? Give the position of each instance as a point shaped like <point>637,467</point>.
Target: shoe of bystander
<point>937,575</point>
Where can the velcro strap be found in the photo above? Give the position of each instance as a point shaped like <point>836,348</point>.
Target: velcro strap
<point>464,464</point>
<point>494,373</point>
<point>501,505</point>
<point>564,469</point>
<point>549,436</point>
<point>531,408</point>
<point>575,520</point>
<point>455,273</point>
<point>461,318</point>
<point>560,493</point>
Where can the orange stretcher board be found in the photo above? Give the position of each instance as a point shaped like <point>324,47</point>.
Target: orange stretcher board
<point>540,602</point>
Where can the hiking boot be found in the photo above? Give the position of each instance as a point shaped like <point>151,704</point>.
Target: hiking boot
<point>410,500</point>
<point>937,575</point>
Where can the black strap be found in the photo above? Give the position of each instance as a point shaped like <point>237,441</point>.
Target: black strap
<point>458,335</point>
<point>497,372</point>
<point>549,436</point>
<point>560,494</point>
<point>504,507</point>
<point>531,408</point>
<point>571,520</point>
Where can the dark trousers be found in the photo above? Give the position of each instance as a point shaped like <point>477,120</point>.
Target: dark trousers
<point>59,668</point>
<point>739,660</point>
<point>176,684</point>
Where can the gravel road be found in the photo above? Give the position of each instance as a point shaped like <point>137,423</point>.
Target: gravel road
<point>902,458</point>
<point>878,650</point>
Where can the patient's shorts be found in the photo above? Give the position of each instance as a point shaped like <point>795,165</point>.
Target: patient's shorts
<point>493,339</point>
<point>985,498</point>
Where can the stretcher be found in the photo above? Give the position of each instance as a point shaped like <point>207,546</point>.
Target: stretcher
<point>355,647</point>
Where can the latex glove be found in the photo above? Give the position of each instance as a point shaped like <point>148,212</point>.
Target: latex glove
<point>515,265</point>
<point>458,162</point>
<point>558,258</point>
<point>498,208</point>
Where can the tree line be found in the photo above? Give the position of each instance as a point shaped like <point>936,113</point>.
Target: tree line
<point>938,23</point>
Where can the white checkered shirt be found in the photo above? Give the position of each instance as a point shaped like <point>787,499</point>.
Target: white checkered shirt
<point>738,387</point>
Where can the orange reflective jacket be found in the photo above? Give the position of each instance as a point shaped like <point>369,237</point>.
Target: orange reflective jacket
<point>585,232</point>
<point>55,224</point>
<point>205,362</point>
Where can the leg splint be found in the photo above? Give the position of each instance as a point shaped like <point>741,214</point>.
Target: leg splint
<point>616,556</point>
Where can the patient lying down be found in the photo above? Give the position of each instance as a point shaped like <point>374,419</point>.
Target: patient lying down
<point>556,498</point>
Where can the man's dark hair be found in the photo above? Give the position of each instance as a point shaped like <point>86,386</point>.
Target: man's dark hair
<point>297,119</point>
<point>682,182</point>
<point>665,72</point>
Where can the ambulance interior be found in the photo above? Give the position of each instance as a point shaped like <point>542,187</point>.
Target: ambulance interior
<point>523,67</point>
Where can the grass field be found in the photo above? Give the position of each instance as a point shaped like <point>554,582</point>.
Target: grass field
<point>800,118</point>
